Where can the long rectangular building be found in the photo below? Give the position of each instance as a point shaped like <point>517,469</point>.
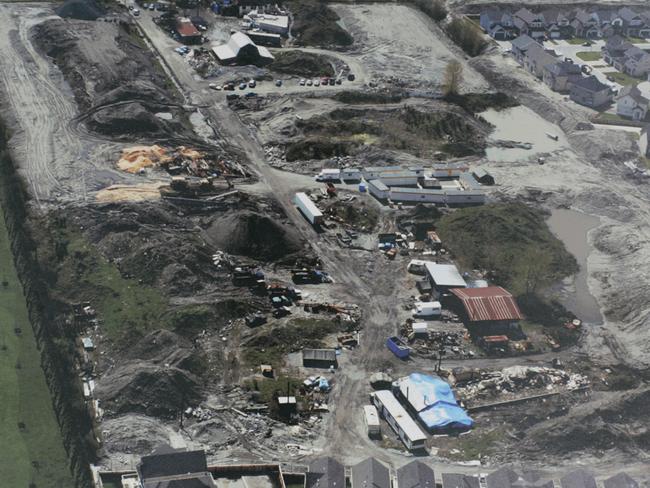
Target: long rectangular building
<point>399,419</point>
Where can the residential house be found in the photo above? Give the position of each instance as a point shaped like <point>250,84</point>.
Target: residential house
<point>537,58</point>
<point>520,46</point>
<point>370,473</point>
<point>591,92</point>
<point>185,468</point>
<point>633,101</point>
<point>499,24</point>
<point>325,472</point>
<point>614,51</point>
<point>560,75</point>
<point>621,480</point>
<point>558,24</point>
<point>530,23</point>
<point>416,474</point>
<point>578,479</point>
<point>634,25</point>
<point>637,62</point>
<point>586,24</point>
<point>453,480</point>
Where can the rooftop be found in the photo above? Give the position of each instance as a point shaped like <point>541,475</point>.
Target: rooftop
<point>395,408</point>
<point>370,474</point>
<point>416,474</point>
<point>489,303</point>
<point>445,275</point>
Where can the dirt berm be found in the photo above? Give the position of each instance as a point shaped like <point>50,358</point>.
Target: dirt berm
<point>159,376</point>
<point>116,83</point>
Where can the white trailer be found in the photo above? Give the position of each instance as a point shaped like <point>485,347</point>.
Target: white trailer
<point>400,421</point>
<point>329,174</point>
<point>378,189</point>
<point>427,309</point>
<point>465,197</point>
<point>350,174</point>
<point>308,208</point>
<point>372,420</point>
<point>400,178</point>
<point>424,195</point>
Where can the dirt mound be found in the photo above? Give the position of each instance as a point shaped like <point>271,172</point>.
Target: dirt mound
<point>253,235</point>
<point>301,63</point>
<point>81,10</point>
<point>316,24</point>
<point>158,376</point>
<point>135,434</point>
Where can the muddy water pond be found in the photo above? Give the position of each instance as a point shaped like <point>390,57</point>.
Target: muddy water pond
<point>522,125</point>
<point>571,228</point>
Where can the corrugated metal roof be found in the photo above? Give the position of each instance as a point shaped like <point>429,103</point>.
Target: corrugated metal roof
<point>445,275</point>
<point>490,303</point>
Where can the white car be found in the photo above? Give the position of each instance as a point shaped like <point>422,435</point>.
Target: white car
<point>214,86</point>
<point>310,82</point>
<point>316,82</point>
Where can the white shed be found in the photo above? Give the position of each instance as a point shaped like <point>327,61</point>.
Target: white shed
<point>372,419</point>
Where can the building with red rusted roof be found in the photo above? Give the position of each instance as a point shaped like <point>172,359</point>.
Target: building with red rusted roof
<point>487,310</point>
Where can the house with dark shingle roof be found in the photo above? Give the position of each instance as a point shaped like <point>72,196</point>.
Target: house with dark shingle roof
<point>416,474</point>
<point>370,474</point>
<point>175,468</point>
<point>520,45</point>
<point>578,479</point>
<point>637,62</point>
<point>633,101</point>
<point>559,76</point>
<point>498,24</point>
<point>325,472</point>
<point>591,93</point>
<point>453,480</point>
<point>621,480</point>
<point>530,23</point>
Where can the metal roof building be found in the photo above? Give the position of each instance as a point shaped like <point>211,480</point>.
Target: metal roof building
<point>319,358</point>
<point>445,275</point>
<point>416,474</point>
<point>370,474</point>
<point>325,472</point>
<point>491,303</point>
<point>399,419</point>
<point>241,49</point>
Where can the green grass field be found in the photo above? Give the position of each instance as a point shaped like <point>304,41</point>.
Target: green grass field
<point>576,40</point>
<point>32,453</point>
<point>622,78</point>
<point>589,55</point>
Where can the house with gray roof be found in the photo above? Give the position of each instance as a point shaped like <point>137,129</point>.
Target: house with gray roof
<point>498,24</point>
<point>325,472</point>
<point>614,51</point>
<point>637,62</point>
<point>167,468</point>
<point>520,45</point>
<point>578,479</point>
<point>633,101</point>
<point>537,58</point>
<point>559,76</point>
<point>453,480</point>
<point>634,25</point>
<point>621,480</point>
<point>530,23</point>
<point>416,474</point>
<point>370,474</point>
<point>590,92</point>
<point>501,478</point>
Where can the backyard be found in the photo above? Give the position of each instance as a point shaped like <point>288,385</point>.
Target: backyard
<point>621,78</point>
<point>589,55</point>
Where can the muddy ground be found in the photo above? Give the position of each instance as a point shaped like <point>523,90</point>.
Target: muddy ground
<point>171,331</point>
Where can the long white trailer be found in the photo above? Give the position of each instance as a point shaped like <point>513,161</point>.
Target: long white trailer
<point>399,419</point>
<point>308,208</point>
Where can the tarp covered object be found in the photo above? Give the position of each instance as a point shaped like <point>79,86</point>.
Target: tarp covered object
<point>434,402</point>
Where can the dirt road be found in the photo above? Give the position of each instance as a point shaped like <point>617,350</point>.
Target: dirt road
<point>57,157</point>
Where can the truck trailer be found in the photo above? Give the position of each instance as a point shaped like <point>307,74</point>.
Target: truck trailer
<point>308,208</point>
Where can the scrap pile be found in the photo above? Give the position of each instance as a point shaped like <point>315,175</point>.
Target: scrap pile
<point>344,313</point>
<point>518,382</point>
<point>177,161</point>
<point>429,343</point>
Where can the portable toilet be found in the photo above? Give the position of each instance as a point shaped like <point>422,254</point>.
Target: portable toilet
<point>362,187</point>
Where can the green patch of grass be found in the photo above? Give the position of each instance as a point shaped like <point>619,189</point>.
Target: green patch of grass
<point>473,445</point>
<point>127,308</point>
<point>589,55</point>
<point>576,40</point>
<point>25,396</point>
<point>509,240</point>
<point>645,161</point>
<point>637,40</point>
<point>622,78</point>
<point>609,117</point>
<point>269,387</point>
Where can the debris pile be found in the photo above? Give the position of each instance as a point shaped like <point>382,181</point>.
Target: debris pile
<point>518,382</point>
<point>177,161</point>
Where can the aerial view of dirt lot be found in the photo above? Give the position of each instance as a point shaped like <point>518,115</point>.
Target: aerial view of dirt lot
<point>287,236</point>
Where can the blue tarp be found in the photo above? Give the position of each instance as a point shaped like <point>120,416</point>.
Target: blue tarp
<point>436,404</point>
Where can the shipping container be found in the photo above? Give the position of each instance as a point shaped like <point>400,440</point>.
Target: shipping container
<point>308,208</point>
<point>398,347</point>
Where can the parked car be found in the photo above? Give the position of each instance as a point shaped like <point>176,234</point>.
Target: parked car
<point>152,6</point>
<point>332,81</point>
<point>324,80</point>
<point>339,81</point>
<point>145,5</point>
<point>214,86</point>
<point>136,12</point>
<point>278,82</point>
<point>351,77</point>
<point>568,59</point>
<point>310,82</point>
<point>586,69</point>
<point>587,44</point>
<point>250,95</point>
<point>232,96</point>
<point>316,82</point>
<point>302,82</point>
<point>252,84</point>
<point>242,86</point>
<point>229,87</point>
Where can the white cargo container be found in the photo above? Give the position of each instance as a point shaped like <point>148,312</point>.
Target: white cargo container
<point>372,420</point>
<point>427,309</point>
<point>350,174</point>
<point>329,174</point>
<point>308,208</point>
<point>420,328</point>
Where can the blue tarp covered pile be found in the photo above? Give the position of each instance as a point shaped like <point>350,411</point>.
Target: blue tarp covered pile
<point>434,402</point>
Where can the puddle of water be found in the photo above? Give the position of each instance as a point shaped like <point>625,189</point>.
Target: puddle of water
<point>521,124</point>
<point>164,115</point>
<point>571,228</point>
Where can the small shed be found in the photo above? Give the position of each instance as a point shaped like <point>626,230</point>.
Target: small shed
<point>319,358</point>
<point>483,177</point>
<point>88,344</point>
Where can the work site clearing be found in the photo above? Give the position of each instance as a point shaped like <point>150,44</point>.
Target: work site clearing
<point>276,247</point>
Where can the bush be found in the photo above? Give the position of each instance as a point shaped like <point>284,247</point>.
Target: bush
<point>466,35</point>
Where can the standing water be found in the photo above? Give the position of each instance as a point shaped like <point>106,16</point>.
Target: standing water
<point>571,228</point>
